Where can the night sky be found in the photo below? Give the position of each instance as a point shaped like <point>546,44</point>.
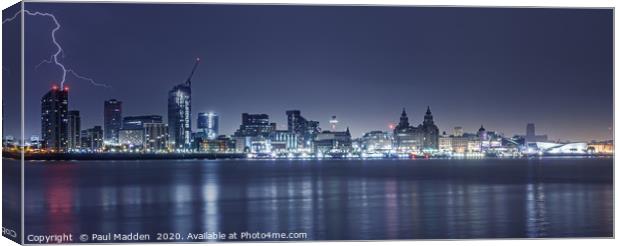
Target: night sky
<point>499,67</point>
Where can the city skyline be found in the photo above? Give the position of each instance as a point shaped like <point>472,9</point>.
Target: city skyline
<point>325,70</point>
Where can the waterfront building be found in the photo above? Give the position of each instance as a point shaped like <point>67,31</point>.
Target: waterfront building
<point>474,145</point>
<point>430,132</point>
<point>180,113</point>
<point>252,144</point>
<point>133,138</point>
<point>137,122</point>
<point>221,144</point>
<point>36,143</point>
<point>208,125</point>
<point>530,134</point>
<point>424,137</point>
<point>155,136</point>
<point>73,130</point>
<point>458,131</point>
<point>445,143</point>
<point>332,142</point>
<point>179,116</point>
<point>550,148</point>
<point>253,134</point>
<point>482,133</point>
<point>283,141</point>
<point>306,130</point>
<point>8,141</point>
<point>601,147</point>
<point>255,125</point>
<point>465,143</point>
<point>92,138</point>
<point>54,119</point>
<point>112,120</point>
<point>376,141</point>
<point>133,133</point>
<point>407,138</point>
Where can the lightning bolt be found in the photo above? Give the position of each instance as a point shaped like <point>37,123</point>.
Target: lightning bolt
<point>59,50</point>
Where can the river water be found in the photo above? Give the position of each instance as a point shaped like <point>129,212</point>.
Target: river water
<point>324,199</point>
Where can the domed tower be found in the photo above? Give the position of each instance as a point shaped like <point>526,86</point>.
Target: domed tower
<point>428,117</point>
<point>404,120</point>
<point>430,130</point>
<point>482,133</point>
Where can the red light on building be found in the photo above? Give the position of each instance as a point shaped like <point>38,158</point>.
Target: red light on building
<point>54,87</point>
<point>66,88</point>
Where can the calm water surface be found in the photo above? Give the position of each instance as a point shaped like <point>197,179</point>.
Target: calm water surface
<point>328,199</point>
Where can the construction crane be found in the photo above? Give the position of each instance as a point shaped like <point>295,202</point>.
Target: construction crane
<point>188,82</point>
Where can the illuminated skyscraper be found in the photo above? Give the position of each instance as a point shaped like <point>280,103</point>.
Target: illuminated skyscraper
<point>54,120</point>
<point>112,119</point>
<point>254,125</point>
<point>180,113</point>
<point>133,133</point>
<point>208,124</point>
<point>306,130</point>
<point>73,130</point>
<point>156,136</point>
<point>92,138</point>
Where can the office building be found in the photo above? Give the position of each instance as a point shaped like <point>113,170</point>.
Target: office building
<point>376,141</point>
<point>306,130</point>
<point>92,139</point>
<point>133,133</point>
<point>112,120</point>
<point>332,143</point>
<point>155,136</point>
<point>73,130</point>
<point>208,125</point>
<point>137,122</point>
<point>283,140</point>
<point>254,125</point>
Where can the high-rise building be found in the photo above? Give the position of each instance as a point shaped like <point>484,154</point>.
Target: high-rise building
<point>92,138</point>
<point>530,130</point>
<point>530,134</point>
<point>112,119</point>
<point>180,113</point>
<point>137,122</point>
<point>208,125</point>
<point>73,130</point>
<point>155,136</point>
<point>254,125</point>
<point>306,130</point>
<point>133,133</point>
<point>54,120</point>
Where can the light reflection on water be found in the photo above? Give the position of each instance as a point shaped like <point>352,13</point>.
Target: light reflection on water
<point>329,200</point>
